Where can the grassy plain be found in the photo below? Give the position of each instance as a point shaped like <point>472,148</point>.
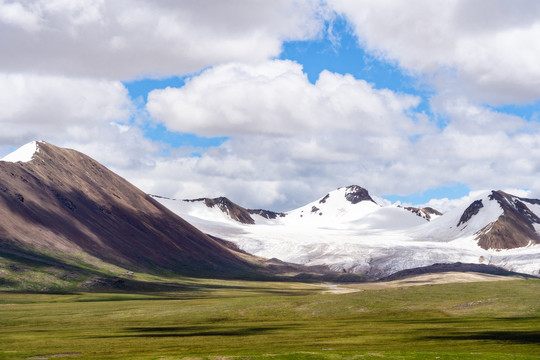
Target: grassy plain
<point>258,320</point>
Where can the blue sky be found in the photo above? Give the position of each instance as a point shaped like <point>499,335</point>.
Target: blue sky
<point>274,104</point>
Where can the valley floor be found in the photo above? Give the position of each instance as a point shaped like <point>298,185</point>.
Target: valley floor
<point>258,320</point>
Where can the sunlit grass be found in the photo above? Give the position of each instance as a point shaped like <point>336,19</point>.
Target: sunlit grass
<point>258,320</point>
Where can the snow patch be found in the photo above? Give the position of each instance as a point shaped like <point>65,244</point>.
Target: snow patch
<point>23,154</point>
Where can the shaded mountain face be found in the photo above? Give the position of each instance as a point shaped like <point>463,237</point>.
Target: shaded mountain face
<point>62,202</point>
<point>516,227</point>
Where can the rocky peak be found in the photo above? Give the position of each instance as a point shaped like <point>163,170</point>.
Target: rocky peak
<point>514,228</point>
<point>516,205</point>
<point>355,194</point>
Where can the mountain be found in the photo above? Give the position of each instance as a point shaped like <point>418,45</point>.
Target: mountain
<point>341,207</point>
<point>497,220</point>
<point>518,225</point>
<point>60,206</point>
<point>348,231</point>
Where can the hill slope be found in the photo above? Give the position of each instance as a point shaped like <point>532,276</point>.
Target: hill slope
<point>62,204</point>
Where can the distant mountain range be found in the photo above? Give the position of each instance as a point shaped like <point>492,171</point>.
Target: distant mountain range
<point>348,231</point>
<point>63,212</point>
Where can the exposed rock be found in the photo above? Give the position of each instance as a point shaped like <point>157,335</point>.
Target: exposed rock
<point>323,200</point>
<point>472,210</point>
<point>354,194</point>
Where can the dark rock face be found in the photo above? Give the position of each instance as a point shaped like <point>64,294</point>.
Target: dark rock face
<point>472,210</point>
<point>65,202</point>
<point>323,200</point>
<point>354,194</point>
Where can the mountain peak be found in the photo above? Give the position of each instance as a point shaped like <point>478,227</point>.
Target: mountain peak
<point>354,194</point>
<point>23,154</point>
<point>514,224</point>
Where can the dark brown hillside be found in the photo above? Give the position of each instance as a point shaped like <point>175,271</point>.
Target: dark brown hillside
<point>514,228</point>
<point>64,202</point>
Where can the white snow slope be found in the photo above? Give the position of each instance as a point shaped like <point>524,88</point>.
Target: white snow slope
<point>363,237</point>
<point>23,154</point>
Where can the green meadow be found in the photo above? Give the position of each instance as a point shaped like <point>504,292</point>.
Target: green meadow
<point>258,320</point>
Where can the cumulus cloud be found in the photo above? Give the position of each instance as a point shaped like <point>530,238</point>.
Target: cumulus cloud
<point>35,105</point>
<point>275,97</point>
<point>121,39</point>
<point>488,49</point>
<point>86,114</point>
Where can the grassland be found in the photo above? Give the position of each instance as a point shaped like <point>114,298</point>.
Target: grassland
<point>258,320</point>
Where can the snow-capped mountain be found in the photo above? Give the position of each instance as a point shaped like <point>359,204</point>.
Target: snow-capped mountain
<point>346,207</point>
<point>348,231</point>
<point>496,220</point>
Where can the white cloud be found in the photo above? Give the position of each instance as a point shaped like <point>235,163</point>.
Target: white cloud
<point>17,15</point>
<point>86,114</point>
<point>121,39</point>
<point>488,49</point>
<point>444,205</point>
<point>276,98</point>
<point>35,107</point>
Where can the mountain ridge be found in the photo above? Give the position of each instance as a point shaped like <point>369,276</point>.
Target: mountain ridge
<point>65,202</point>
<point>59,201</point>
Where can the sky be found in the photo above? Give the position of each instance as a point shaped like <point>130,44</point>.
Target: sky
<point>275,103</point>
